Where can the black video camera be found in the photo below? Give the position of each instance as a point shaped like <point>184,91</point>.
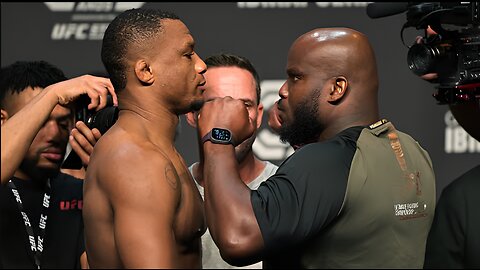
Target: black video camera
<point>101,120</point>
<point>453,52</point>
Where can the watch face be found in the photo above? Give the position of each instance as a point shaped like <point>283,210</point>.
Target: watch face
<point>220,134</point>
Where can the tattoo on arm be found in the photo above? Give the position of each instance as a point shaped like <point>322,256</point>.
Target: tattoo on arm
<point>171,176</point>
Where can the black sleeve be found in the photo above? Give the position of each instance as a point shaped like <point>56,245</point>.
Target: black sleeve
<point>80,246</point>
<point>446,239</point>
<point>304,195</point>
<point>69,188</point>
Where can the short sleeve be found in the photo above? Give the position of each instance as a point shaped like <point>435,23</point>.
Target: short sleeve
<point>304,195</point>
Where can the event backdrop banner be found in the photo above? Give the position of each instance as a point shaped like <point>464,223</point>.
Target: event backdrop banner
<point>69,35</point>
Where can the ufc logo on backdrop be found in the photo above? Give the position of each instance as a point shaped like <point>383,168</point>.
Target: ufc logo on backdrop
<point>88,20</point>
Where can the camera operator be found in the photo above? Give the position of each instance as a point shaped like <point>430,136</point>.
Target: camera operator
<point>36,120</point>
<point>449,58</point>
<point>454,239</point>
<point>22,126</point>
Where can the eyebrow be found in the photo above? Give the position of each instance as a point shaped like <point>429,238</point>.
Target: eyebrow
<point>293,71</point>
<point>190,44</point>
<point>64,116</point>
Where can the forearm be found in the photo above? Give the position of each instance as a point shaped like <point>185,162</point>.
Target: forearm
<point>229,211</point>
<point>18,132</point>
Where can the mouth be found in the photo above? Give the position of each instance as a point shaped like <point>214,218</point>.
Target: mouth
<point>201,86</point>
<point>279,106</point>
<point>279,117</point>
<point>53,154</point>
<point>279,111</point>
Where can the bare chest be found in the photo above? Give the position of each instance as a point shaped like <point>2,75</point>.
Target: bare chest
<point>190,221</point>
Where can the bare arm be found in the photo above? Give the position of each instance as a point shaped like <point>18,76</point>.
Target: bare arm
<point>231,220</point>
<point>230,216</point>
<point>18,132</point>
<point>144,197</point>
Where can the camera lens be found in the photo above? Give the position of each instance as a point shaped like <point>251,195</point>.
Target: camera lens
<point>103,119</point>
<point>421,58</point>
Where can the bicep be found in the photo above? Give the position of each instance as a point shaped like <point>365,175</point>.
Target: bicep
<point>144,204</point>
<point>293,206</point>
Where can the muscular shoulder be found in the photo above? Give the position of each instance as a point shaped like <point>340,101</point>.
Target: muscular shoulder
<point>334,152</point>
<point>410,141</point>
<point>127,162</point>
<point>325,165</point>
<point>119,149</point>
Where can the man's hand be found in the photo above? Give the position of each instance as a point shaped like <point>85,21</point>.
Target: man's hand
<point>82,139</point>
<point>95,87</point>
<point>226,113</point>
<point>431,77</point>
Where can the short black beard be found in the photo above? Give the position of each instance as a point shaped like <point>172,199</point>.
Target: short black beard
<point>32,170</point>
<point>196,105</point>
<point>305,127</point>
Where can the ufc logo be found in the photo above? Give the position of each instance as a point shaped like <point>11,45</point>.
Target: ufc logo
<point>71,205</point>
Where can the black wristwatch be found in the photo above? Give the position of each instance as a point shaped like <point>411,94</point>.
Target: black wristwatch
<point>219,135</point>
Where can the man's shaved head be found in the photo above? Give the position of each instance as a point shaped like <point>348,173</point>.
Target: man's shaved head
<point>340,51</point>
<point>334,72</point>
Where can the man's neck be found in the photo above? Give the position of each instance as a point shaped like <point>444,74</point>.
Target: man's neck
<point>344,123</point>
<point>160,127</point>
<point>250,168</point>
<point>158,121</point>
<point>38,178</point>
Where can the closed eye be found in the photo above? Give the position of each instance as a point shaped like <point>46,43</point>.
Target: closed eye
<point>189,55</point>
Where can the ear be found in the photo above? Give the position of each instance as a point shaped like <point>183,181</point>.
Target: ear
<point>192,119</point>
<point>5,116</point>
<point>144,72</point>
<point>338,89</point>
<point>259,114</point>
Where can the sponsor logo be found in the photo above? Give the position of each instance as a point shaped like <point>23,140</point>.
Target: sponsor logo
<point>267,144</point>
<point>457,140</point>
<point>25,219</point>
<point>40,244</point>
<point>88,20</point>
<point>17,196</point>
<point>252,5</point>
<point>46,200</point>
<point>43,221</point>
<point>31,239</point>
<point>71,205</point>
<point>410,210</point>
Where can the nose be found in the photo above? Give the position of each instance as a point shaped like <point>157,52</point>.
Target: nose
<point>200,66</point>
<point>283,92</point>
<point>52,131</point>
